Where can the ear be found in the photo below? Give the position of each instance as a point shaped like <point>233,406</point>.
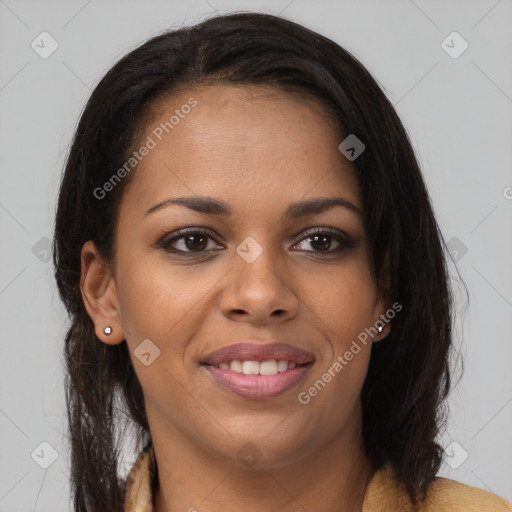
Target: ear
<point>99,295</point>
<point>384,303</point>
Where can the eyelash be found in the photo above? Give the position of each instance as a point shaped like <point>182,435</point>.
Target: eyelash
<point>344,240</point>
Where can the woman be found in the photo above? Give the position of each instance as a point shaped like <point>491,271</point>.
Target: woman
<point>256,280</point>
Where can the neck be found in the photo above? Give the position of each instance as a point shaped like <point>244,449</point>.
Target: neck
<point>331,478</point>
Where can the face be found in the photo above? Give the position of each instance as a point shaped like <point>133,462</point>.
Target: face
<point>193,282</point>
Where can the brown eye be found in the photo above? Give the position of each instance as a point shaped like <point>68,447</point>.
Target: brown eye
<point>194,242</point>
<point>188,242</point>
<point>321,240</point>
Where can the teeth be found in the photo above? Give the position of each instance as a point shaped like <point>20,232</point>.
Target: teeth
<point>251,367</point>
<point>270,367</point>
<point>282,366</point>
<point>236,366</point>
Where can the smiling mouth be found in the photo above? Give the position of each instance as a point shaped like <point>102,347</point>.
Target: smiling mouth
<point>268,367</point>
<point>257,371</point>
<point>258,386</point>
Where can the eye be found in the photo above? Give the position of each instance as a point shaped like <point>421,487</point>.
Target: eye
<point>191,241</point>
<point>196,241</point>
<point>321,241</point>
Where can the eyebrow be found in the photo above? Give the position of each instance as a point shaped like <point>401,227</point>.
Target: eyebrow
<point>216,207</point>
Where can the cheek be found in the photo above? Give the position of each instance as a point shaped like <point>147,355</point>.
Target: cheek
<point>143,295</point>
<point>153,297</point>
<point>345,300</point>
<point>155,303</point>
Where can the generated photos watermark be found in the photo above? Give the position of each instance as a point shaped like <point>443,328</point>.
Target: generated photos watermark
<point>304,397</point>
<point>150,143</point>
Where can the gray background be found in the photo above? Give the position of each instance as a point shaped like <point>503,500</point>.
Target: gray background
<point>457,110</point>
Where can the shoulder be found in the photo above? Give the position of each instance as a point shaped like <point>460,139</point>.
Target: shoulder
<point>384,494</point>
<point>449,495</point>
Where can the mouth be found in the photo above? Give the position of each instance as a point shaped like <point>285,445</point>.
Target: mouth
<point>256,371</point>
<point>248,367</point>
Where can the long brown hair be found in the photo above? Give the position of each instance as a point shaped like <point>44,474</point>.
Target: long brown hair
<point>408,376</point>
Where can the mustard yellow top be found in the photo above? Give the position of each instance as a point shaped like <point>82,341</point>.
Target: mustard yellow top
<point>383,493</point>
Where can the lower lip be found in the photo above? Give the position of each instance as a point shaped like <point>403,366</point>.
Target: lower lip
<point>258,387</point>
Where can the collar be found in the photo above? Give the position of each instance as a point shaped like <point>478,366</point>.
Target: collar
<point>383,494</point>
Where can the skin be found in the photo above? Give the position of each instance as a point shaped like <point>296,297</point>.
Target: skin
<point>259,150</point>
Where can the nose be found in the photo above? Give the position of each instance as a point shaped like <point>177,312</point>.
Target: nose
<point>259,292</point>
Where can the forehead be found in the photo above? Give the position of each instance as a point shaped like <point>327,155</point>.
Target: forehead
<point>241,142</point>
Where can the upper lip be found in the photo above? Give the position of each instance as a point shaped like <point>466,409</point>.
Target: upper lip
<point>255,351</point>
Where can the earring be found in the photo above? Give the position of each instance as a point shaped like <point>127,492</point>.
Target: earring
<point>107,330</point>
<point>380,328</point>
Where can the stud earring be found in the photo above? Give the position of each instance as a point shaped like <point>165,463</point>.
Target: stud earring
<point>380,328</point>
<point>107,330</point>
